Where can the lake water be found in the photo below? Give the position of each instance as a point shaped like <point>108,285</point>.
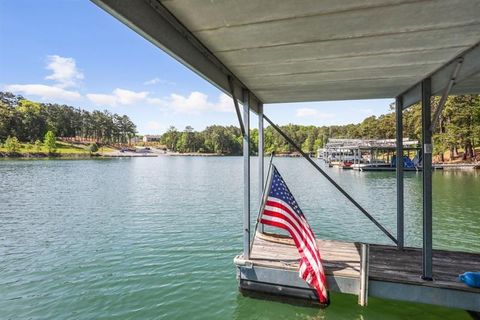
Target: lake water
<point>154,238</point>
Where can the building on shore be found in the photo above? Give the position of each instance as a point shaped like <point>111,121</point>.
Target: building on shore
<point>136,140</point>
<point>151,138</point>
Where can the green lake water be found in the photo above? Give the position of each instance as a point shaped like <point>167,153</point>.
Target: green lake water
<point>154,238</point>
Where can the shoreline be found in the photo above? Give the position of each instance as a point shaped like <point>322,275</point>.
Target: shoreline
<point>113,155</point>
<point>52,156</point>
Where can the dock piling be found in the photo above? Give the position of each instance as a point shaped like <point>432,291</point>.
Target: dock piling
<point>427,179</point>
<point>246,176</point>
<point>364,266</point>
<point>399,172</point>
<point>261,163</point>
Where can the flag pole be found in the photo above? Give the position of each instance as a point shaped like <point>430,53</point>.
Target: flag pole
<point>264,197</point>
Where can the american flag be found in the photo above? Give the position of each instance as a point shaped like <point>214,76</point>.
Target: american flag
<point>281,210</point>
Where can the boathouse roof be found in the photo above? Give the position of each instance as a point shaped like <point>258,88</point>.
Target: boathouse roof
<point>309,50</point>
<point>369,143</point>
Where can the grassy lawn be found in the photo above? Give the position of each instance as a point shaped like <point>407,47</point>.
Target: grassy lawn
<point>62,148</point>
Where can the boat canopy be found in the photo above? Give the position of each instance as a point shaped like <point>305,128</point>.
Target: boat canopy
<point>309,50</point>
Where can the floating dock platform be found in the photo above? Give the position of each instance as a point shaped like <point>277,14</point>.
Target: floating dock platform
<point>389,273</point>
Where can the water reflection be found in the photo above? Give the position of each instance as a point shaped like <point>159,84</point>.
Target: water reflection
<point>342,307</point>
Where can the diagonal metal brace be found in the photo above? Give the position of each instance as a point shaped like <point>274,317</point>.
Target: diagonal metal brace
<point>237,108</point>
<point>355,203</point>
<point>446,92</point>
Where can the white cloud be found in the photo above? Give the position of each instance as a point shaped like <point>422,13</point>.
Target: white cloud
<point>44,91</point>
<point>129,97</point>
<point>198,102</point>
<point>156,81</point>
<point>102,99</point>
<point>153,125</point>
<point>225,103</point>
<point>158,102</point>
<point>64,71</point>
<point>305,112</point>
<point>118,97</point>
<point>313,113</point>
<point>152,81</point>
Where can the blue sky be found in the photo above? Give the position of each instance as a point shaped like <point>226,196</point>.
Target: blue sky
<point>73,52</point>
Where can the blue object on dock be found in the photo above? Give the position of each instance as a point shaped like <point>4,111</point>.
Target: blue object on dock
<point>471,279</point>
<point>407,162</point>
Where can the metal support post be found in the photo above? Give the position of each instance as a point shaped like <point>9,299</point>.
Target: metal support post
<point>427,179</point>
<point>399,165</point>
<point>364,266</point>
<point>260,158</point>
<point>246,176</point>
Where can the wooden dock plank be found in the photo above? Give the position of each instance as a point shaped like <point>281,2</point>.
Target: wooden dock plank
<point>386,262</point>
<point>339,258</point>
<point>389,264</point>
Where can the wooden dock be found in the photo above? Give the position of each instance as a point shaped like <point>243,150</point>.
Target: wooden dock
<point>391,273</point>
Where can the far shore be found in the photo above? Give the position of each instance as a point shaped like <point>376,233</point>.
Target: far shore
<point>119,154</point>
<point>42,155</point>
<point>454,165</point>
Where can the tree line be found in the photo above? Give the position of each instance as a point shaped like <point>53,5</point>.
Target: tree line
<point>29,121</point>
<point>458,128</point>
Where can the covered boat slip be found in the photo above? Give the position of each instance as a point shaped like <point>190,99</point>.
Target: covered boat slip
<point>273,51</point>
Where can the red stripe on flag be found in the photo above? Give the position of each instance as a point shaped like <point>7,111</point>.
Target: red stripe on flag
<point>278,203</point>
<point>313,263</point>
<point>300,232</point>
<point>303,238</point>
<point>295,221</point>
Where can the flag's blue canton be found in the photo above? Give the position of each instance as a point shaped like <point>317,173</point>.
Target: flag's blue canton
<point>280,191</point>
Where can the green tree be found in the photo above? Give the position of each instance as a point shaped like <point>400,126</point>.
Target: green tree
<point>170,138</point>
<point>38,146</point>
<point>29,121</point>
<point>33,120</point>
<point>93,148</point>
<point>12,145</point>
<point>188,141</point>
<point>50,142</point>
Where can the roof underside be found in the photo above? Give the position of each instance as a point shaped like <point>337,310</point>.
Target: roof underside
<point>310,50</point>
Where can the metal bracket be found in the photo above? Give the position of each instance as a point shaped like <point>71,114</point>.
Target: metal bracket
<point>446,92</point>
<point>427,148</point>
<point>237,108</point>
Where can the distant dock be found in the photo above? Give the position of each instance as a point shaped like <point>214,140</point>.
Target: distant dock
<point>440,166</point>
<point>457,166</point>
<point>129,155</point>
